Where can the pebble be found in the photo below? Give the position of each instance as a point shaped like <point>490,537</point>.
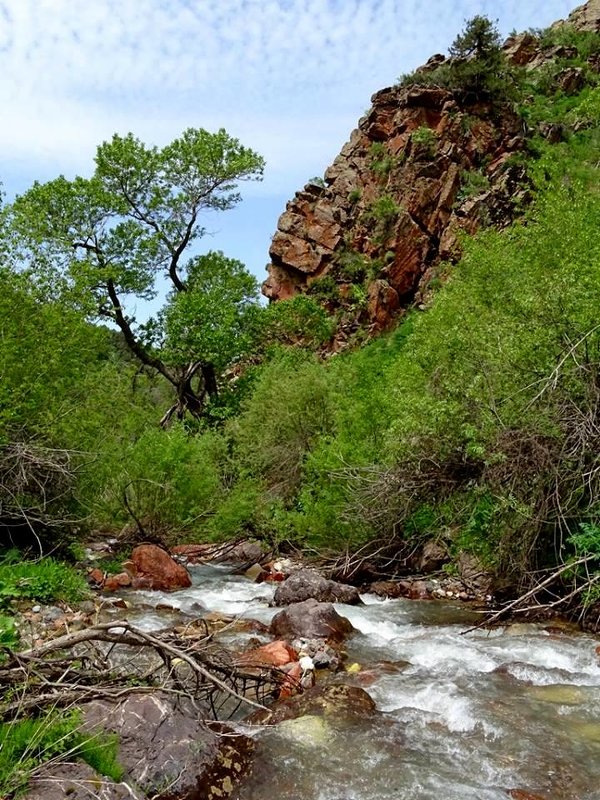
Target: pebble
<point>36,609</point>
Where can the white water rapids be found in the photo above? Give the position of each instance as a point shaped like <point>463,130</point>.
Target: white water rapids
<point>460,717</point>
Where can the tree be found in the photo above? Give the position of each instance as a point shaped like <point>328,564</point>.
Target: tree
<point>480,39</point>
<point>479,66</point>
<point>106,239</point>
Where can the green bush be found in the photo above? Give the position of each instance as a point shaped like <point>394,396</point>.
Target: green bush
<point>171,481</point>
<point>425,141</point>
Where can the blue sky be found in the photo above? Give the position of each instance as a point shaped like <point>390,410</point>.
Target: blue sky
<point>289,78</point>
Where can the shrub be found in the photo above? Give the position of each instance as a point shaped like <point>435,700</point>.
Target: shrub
<point>298,321</point>
<point>424,140</point>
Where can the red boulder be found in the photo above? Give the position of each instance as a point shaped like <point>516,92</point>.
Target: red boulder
<point>155,569</point>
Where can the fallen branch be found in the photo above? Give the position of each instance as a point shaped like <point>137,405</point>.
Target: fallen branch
<point>74,668</point>
<point>532,592</point>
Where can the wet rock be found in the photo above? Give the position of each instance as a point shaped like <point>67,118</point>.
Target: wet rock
<point>334,700</point>
<point>307,731</point>
<point>155,569</point>
<point>274,654</point>
<point>165,748</point>
<point>256,573</point>
<point>115,583</point>
<point>310,620</point>
<point>307,583</point>
<point>559,695</point>
<point>322,655</point>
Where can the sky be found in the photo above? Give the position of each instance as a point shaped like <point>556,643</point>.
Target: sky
<point>289,78</point>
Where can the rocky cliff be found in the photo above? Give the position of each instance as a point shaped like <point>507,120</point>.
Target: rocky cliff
<point>423,164</point>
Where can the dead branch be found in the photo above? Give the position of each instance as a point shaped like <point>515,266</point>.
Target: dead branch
<point>513,606</point>
<point>97,663</point>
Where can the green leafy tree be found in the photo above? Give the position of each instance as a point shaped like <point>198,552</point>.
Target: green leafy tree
<point>103,241</point>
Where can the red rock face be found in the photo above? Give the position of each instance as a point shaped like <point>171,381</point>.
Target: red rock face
<point>155,569</point>
<point>413,149</point>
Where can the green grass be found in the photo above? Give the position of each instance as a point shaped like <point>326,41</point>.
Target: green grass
<point>26,744</point>
<point>43,581</point>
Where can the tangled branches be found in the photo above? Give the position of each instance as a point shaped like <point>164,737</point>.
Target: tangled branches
<point>35,486</point>
<point>111,660</point>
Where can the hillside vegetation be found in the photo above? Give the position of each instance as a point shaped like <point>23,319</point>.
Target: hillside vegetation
<point>474,423</point>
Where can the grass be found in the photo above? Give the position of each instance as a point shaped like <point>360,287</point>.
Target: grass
<point>43,581</point>
<point>27,744</point>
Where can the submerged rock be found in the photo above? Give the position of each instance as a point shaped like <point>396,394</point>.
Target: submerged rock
<point>307,583</point>
<point>338,701</point>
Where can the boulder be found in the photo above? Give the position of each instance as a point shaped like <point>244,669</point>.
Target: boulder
<point>155,569</point>
<point>310,620</point>
<point>433,557</point>
<point>307,583</point>
<point>274,654</point>
<point>338,701</point>
<point>165,751</point>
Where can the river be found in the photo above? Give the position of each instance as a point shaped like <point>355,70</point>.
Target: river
<point>459,716</point>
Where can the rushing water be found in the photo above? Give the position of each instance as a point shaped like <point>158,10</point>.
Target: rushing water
<point>460,717</point>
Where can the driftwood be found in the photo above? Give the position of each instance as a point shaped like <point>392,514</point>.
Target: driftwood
<point>521,604</point>
<point>103,661</point>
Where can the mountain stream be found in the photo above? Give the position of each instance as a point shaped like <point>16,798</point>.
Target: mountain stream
<point>459,717</point>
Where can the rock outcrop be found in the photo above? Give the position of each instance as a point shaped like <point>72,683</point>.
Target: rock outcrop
<point>423,164</point>
<point>394,200</point>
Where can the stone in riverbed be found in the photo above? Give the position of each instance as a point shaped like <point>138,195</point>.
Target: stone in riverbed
<point>274,654</point>
<point>165,750</point>
<point>155,569</point>
<point>310,620</point>
<point>307,583</point>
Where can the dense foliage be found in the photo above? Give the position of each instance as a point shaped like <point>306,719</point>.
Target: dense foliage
<point>474,422</point>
